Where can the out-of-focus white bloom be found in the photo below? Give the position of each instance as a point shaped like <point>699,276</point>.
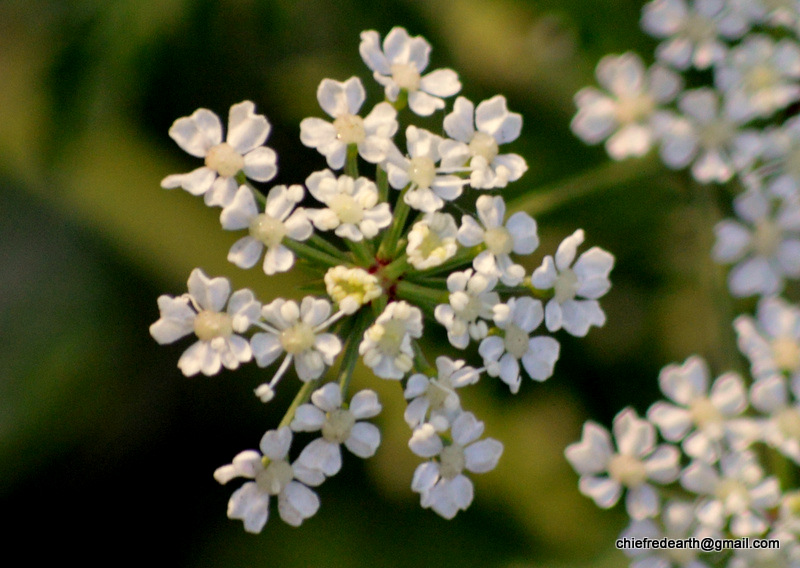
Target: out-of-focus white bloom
<point>760,76</point>
<point>266,230</point>
<point>272,475</point>
<point>781,152</point>
<point>624,117</point>
<point>502,355</point>
<point>386,346</point>
<point>765,246</point>
<point>435,400</point>
<point>351,288</point>
<point>495,126</point>
<point>588,278</point>
<point>353,209</point>
<point>709,137</point>
<point>605,472</point>
<point>441,483</point>
<point>694,34</point>
<point>700,419</point>
<point>517,236</point>
<point>399,66</point>
<point>342,101</point>
<point>472,296</point>
<point>432,240</point>
<point>201,136</point>
<point>772,342</point>
<point>429,186</point>
<point>737,491</point>
<point>338,426</point>
<point>202,312</point>
<point>781,427</point>
<point>295,330</point>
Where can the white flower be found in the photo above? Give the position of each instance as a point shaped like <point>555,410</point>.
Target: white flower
<point>694,35</point>
<point>625,117</point>
<point>202,312</point>
<point>772,343</point>
<point>429,186</point>
<point>761,76</point>
<point>780,429</point>
<point>441,484</point>
<point>353,208</point>
<point>280,220</point>
<point>432,240</point>
<point>767,248</point>
<point>201,136</point>
<point>709,136</point>
<point>372,135</point>
<point>399,66</point>
<point>435,400</point>
<point>472,296</point>
<point>737,491</point>
<point>701,419</point>
<point>517,236</point>
<point>338,426</point>
<point>776,13</point>
<point>273,475</point>
<point>502,355</point>
<point>495,126</point>
<point>781,151</point>
<point>587,279</point>
<point>636,461</point>
<point>386,346</point>
<point>351,288</point>
<point>295,330</point>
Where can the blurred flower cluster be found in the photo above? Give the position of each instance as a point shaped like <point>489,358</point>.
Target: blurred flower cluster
<point>422,239</point>
<point>721,100</point>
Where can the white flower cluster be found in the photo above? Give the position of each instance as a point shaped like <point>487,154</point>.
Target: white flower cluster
<point>386,256</point>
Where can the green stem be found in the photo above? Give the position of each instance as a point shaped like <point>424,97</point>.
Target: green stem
<point>420,295</point>
<point>351,165</point>
<point>382,181</point>
<point>325,246</point>
<point>311,254</point>
<point>350,357</point>
<point>302,396</point>
<point>362,252</point>
<point>421,362</point>
<point>396,268</point>
<point>390,238</point>
<point>608,175</point>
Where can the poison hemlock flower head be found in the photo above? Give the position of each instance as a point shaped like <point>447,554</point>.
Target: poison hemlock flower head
<point>338,426</point>
<point>432,240</point>
<point>353,209</point>
<point>201,136</point>
<point>351,288</point>
<point>202,312</point>
<point>398,66</point>
<point>435,400</point>
<point>502,356</point>
<point>588,278</point>
<point>518,235</point>
<point>272,476</point>
<point>482,130</point>
<point>605,472</point>
<point>279,220</point>
<point>471,305</point>
<point>372,135</point>
<point>441,483</point>
<point>624,117</point>
<point>386,347</point>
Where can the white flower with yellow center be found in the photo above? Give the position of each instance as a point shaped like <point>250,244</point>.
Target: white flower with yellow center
<point>482,130</point>
<point>435,400</point>
<point>518,235</point>
<point>471,305</point>
<point>605,472</point>
<point>398,66</point>
<point>273,476</point>
<point>386,346</point>
<point>353,209</point>
<point>432,240</point>
<point>267,230</point>
<point>502,354</point>
<point>296,331</point>
<point>201,136</point>
<point>771,341</point>
<point>202,312</point>
<point>351,288</point>
<point>338,426</point>
<point>441,483</point>
<point>342,101</point>
<point>701,417</point>
<point>780,428</point>
<point>587,278</point>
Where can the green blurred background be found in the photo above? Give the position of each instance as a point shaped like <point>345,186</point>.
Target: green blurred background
<point>107,451</point>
